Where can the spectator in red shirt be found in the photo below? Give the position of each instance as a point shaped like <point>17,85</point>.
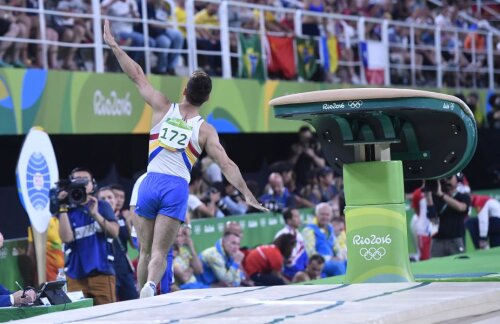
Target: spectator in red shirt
<point>485,228</point>
<point>420,225</point>
<point>264,264</point>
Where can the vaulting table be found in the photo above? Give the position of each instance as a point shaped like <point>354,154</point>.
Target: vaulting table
<point>378,138</point>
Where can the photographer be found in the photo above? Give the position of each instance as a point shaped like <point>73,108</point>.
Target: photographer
<point>278,198</point>
<point>231,202</point>
<point>306,155</point>
<point>449,208</point>
<point>205,207</point>
<point>87,225</point>
<point>493,116</point>
<point>217,201</point>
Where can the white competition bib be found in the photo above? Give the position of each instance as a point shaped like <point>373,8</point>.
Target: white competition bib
<point>175,134</point>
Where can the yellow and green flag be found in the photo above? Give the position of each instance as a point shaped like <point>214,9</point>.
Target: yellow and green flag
<point>306,57</point>
<point>252,66</point>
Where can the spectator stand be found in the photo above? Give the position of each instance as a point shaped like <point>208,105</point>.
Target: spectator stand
<point>434,53</point>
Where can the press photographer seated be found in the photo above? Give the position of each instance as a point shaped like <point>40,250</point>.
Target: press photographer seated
<point>448,208</point>
<point>87,226</point>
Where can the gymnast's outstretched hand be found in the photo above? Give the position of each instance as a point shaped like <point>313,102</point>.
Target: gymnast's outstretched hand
<point>107,36</point>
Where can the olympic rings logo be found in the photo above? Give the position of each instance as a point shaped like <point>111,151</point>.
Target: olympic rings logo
<point>355,104</point>
<point>372,253</point>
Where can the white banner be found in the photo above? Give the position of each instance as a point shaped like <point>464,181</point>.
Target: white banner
<point>36,173</point>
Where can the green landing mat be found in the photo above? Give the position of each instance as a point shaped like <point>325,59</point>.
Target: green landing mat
<point>481,265</point>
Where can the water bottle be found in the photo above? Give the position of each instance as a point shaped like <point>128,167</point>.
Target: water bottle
<point>61,276</point>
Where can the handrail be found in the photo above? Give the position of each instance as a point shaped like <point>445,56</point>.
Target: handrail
<point>226,52</point>
<point>491,11</point>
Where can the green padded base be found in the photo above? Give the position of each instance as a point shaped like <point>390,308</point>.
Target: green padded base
<point>368,183</point>
<point>375,212</point>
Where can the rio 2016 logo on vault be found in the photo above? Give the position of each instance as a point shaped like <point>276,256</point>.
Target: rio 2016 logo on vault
<point>372,253</point>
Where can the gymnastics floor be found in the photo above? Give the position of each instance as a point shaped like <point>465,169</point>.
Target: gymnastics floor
<point>416,302</point>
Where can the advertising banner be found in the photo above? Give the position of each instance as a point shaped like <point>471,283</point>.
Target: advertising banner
<point>258,228</point>
<point>64,102</point>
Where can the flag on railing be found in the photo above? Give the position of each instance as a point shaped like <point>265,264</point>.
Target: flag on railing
<point>331,53</point>
<point>375,60</point>
<point>280,56</point>
<point>252,66</point>
<point>307,59</point>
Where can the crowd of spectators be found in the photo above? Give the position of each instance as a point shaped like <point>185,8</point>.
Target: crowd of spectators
<point>100,230</point>
<point>300,251</point>
<point>463,54</point>
<point>284,260</point>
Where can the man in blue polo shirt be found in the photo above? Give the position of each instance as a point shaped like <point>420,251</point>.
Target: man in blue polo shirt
<point>88,229</point>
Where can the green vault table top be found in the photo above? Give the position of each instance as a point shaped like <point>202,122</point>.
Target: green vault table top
<point>434,135</point>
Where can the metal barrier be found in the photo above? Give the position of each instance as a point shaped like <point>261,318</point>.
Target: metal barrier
<point>410,58</point>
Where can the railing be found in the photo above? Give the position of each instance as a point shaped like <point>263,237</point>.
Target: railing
<point>410,60</point>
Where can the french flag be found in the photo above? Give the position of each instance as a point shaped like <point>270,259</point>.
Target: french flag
<point>375,59</point>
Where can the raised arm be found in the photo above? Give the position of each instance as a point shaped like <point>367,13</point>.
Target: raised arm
<point>154,98</point>
<point>229,168</point>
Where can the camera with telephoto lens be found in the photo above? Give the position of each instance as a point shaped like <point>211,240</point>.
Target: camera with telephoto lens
<point>274,206</point>
<point>445,185</point>
<point>76,189</point>
<point>432,185</point>
<point>222,205</point>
